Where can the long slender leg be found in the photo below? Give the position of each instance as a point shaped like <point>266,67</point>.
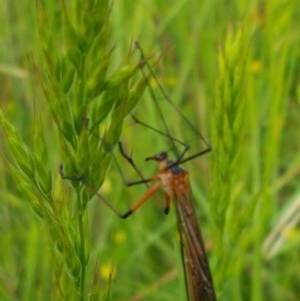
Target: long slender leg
<point>180,156</point>
<point>132,209</point>
<point>167,97</point>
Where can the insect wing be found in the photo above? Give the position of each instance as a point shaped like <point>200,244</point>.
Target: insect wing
<point>198,279</point>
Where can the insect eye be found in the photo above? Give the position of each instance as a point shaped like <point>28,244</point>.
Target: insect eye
<point>161,156</point>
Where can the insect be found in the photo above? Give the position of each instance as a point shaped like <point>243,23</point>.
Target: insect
<point>173,180</point>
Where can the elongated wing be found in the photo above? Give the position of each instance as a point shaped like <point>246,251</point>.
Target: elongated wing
<point>198,278</point>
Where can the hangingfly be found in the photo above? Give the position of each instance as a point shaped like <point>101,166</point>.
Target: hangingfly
<point>174,181</point>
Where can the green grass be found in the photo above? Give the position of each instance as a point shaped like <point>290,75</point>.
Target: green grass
<point>231,67</point>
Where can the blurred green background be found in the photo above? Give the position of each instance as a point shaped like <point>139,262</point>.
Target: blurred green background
<point>232,67</point>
